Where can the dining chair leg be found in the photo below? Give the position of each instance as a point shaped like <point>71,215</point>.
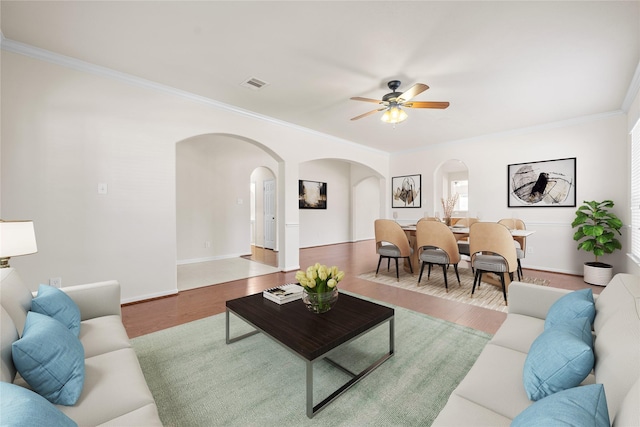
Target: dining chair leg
<point>429,272</point>
<point>388,264</point>
<point>519,270</point>
<point>455,267</point>
<point>378,268</point>
<point>397,271</point>
<point>410,265</point>
<point>444,272</point>
<point>421,270</point>
<point>504,289</point>
<point>477,279</point>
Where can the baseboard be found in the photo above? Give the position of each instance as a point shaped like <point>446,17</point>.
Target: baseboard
<point>148,297</point>
<point>212,258</point>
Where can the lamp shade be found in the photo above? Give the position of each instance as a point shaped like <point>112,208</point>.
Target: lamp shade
<point>17,238</point>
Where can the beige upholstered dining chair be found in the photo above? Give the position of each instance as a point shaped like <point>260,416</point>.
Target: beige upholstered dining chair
<point>463,239</point>
<point>492,251</point>
<point>391,242</point>
<point>437,245</point>
<point>519,241</point>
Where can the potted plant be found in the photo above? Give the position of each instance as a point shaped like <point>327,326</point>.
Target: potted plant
<point>596,233</point>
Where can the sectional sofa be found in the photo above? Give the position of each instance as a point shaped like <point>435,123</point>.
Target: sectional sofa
<point>113,390</point>
<point>496,391</point>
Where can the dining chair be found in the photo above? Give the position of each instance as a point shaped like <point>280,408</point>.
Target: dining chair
<point>492,251</point>
<point>437,245</point>
<point>519,241</point>
<point>391,242</point>
<point>463,239</point>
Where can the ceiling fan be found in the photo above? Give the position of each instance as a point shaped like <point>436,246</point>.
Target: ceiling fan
<point>393,102</point>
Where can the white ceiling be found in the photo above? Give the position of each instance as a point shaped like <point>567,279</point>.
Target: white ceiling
<point>502,65</point>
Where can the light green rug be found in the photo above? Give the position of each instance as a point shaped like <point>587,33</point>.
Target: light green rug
<point>198,380</point>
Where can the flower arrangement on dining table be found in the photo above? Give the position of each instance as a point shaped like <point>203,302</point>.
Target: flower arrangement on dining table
<point>449,204</point>
<point>319,278</point>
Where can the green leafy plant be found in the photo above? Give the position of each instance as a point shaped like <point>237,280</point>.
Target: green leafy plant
<point>596,228</point>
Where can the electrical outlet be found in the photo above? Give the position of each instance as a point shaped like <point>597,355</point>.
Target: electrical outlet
<point>207,244</point>
<point>55,281</point>
<point>530,249</point>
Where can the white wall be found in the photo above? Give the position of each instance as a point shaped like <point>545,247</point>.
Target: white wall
<point>213,173</point>
<point>331,225</point>
<point>598,144</point>
<point>66,130</point>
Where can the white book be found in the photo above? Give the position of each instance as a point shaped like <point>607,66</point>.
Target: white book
<point>283,293</point>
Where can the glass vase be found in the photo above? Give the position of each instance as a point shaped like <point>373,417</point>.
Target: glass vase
<point>319,302</point>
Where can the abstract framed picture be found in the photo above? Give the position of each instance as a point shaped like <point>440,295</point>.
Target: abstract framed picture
<point>406,191</point>
<point>312,195</point>
<point>547,183</point>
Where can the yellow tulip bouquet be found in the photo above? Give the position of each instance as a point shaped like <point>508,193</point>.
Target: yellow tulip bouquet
<point>319,278</point>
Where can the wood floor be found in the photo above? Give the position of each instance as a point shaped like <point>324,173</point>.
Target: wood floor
<point>354,258</point>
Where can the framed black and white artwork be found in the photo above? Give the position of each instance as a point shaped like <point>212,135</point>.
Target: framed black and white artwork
<point>547,183</point>
<point>312,195</point>
<point>406,191</point>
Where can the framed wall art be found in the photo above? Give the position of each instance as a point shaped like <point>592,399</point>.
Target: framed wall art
<point>312,195</point>
<point>406,191</point>
<point>547,183</point>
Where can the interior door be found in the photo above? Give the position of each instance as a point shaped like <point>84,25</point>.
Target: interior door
<point>270,214</point>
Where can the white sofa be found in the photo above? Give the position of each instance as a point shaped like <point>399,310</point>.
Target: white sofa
<point>493,394</point>
<point>115,392</point>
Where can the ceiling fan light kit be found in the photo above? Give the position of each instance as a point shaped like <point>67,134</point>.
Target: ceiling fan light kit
<point>394,114</point>
<point>393,102</point>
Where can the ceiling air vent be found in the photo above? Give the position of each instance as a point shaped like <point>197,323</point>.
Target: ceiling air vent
<point>253,83</point>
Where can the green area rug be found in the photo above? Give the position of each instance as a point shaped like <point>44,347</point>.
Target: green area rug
<point>198,380</point>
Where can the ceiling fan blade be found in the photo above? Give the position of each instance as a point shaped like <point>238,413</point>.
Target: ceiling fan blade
<point>421,104</point>
<point>414,90</point>
<point>376,101</point>
<point>369,113</point>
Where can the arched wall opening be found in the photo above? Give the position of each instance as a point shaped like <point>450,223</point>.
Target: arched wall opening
<point>213,195</point>
<point>451,177</point>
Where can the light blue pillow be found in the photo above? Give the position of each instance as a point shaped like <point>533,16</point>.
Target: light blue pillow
<point>50,358</point>
<point>560,358</point>
<point>57,304</point>
<point>571,306</point>
<point>20,407</point>
<point>579,406</point>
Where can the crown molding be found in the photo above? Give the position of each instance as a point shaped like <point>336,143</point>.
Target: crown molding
<point>79,65</point>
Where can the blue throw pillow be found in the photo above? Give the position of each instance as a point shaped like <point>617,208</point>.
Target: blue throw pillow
<point>50,358</point>
<point>572,306</point>
<point>579,406</point>
<point>57,304</point>
<point>560,358</point>
<point>20,407</point>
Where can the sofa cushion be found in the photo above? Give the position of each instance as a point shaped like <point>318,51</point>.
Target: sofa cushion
<point>8,334</point>
<point>20,407</point>
<point>495,381</point>
<point>16,297</point>
<point>50,359</point>
<point>114,386</point>
<point>102,335</point>
<point>573,305</point>
<point>54,303</point>
<point>518,332</point>
<point>560,358</point>
<point>579,406</point>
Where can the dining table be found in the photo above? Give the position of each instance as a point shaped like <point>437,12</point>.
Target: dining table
<point>460,233</point>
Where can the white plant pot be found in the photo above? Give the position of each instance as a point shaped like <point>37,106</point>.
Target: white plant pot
<point>597,273</point>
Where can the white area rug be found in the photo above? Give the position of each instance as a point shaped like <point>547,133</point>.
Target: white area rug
<point>201,274</point>
<point>486,296</point>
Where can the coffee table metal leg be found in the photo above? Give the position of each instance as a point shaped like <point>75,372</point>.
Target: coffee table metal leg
<point>312,410</point>
<point>231,340</point>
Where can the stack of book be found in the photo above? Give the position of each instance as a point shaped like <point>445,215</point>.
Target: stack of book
<point>283,293</point>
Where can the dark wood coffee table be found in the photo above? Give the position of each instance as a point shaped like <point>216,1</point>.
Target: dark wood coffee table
<point>313,337</point>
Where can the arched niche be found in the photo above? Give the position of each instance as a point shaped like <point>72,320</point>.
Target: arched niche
<point>451,176</point>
